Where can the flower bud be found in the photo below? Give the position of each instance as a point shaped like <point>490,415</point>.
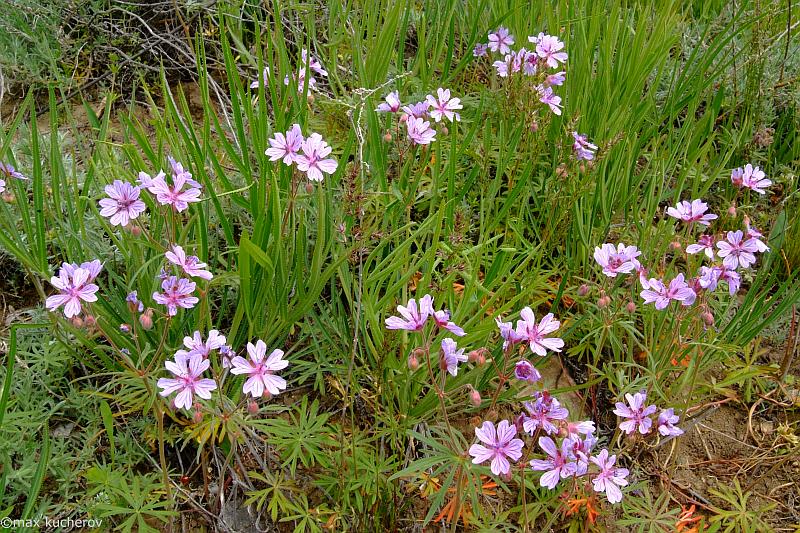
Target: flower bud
<point>413,362</point>
<point>309,188</point>
<point>444,130</point>
<point>631,307</point>
<point>77,321</point>
<point>708,318</point>
<point>732,211</point>
<point>604,301</point>
<point>311,98</point>
<point>583,290</point>
<point>146,319</point>
<point>252,407</point>
<point>8,198</point>
<point>534,126</point>
<point>124,328</point>
<point>387,137</point>
<point>481,360</point>
<point>474,397</point>
<point>403,118</point>
<point>197,417</point>
<point>90,321</point>
<point>582,167</point>
<point>506,476</point>
<point>675,245</point>
<point>266,395</point>
<point>135,230</point>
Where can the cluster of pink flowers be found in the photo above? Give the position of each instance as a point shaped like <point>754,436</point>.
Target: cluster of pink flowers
<point>307,63</point>
<point>528,331</point>
<point>750,177</point>
<point>75,284</point>
<point>637,417</point>
<point>7,170</point>
<point>547,53</point>
<point>178,291</point>
<point>313,160</point>
<point>189,365</point>
<point>415,116</point>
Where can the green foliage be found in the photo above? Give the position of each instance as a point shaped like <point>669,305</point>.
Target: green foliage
<point>494,216</point>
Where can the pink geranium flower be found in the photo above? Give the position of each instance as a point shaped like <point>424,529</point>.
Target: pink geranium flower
<point>178,170</point>
<point>261,370</point>
<point>313,159</point>
<point>534,333</point>
<point>704,244</point>
<point>418,110</point>
<point>442,106</point>
<point>661,295</point>
<point>500,446</point>
<point>263,80</point>
<point>546,96</point>
<point>756,236</point>
<point>556,467</point>
<point>123,203</point>
<point>637,415</point>
<point>480,50</point>
<point>196,345</point>
<point>177,293</point>
<point>619,260</point>
<point>508,333</point>
<point>419,131</point>
<point>548,47</point>
<point>694,211</point>
<point>312,63</point>
<point>391,105</point>
<point>666,423</point>
<point>7,170</point>
<point>542,412</point>
<point>191,264</point>
<point>610,479</point>
<point>451,356</point>
<point>172,195</point>
<point>500,40</point>
<point>525,371</point>
<point>413,316</point>
<point>584,150</point>
<point>285,146</point>
<point>93,267</point>
<point>736,251</point>
<point>504,67</point>
<point>187,369</point>
<point>750,177</point>
<point>442,320</point>
<point>558,79</point>
<point>75,286</point>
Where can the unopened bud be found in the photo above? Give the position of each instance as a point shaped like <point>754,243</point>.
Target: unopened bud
<point>146,319</point>
<point>197,417</point>
<point>311,98</point>
<point>77,321</point>
<point>582,167</point>
<point>8,198</point>
<point>708,318</point>
<point>135,230</point>
<point>413,362</point>
<point>90,321</point>
<point>631,307</point>
<point>603,302</point>
<point>309,188</point>
<point>403,118</point>
<point>534,126</point>
<point>475,397</point>
<point>387,137</point>
<point>506,476</point>
<point>444,130</point>
<point>675,245</point>
<point>583,290</point>
<point>124,328</point>
<point>481,360</point>
<point>252,407</point>
<point>732,211</point>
